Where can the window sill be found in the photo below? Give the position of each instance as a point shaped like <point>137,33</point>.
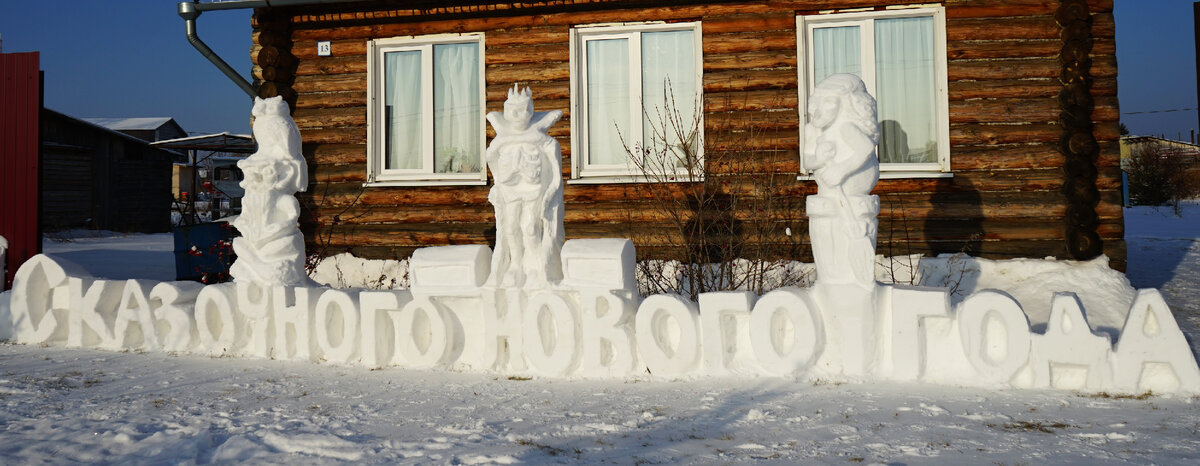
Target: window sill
<point>627,179</point>
<point>895,175</point>
<point>398,183</point>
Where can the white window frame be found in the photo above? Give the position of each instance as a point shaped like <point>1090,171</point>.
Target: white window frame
<point>581,170</point>
<point>865,19</point>
<point>377,173</point>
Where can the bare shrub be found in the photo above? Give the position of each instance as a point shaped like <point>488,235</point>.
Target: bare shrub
<point>1157,177</point>
<point>722,219</point>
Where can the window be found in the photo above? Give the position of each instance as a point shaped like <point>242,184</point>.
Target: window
<point>426,110</point>
<point>901,57</point>
<point>636,91</point>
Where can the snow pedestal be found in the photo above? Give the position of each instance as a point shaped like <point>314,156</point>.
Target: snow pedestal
<point>449,270</point>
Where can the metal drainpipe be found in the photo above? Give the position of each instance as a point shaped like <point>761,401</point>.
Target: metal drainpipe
<point>189,11</point>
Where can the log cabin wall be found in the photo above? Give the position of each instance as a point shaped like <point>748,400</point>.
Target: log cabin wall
<point>1010,102</point>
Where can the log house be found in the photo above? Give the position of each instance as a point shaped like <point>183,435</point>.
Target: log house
<point>1022,159</point>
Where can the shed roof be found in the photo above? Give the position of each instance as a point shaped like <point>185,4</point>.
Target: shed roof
<point>119,124</point>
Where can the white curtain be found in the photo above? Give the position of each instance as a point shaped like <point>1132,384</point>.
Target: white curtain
<point>402,110</point>
<point>456,108</point>
<point>608,100</point>
<point>905,90</point>
<point>668,86</point>
<point>836,50</point>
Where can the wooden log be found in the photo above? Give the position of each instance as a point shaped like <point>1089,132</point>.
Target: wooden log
<point>1021,27</point>
<point>752,101</point>
<point>336,153</point>
<point>750,60</point>
<point>331,83</point>
<point>1023,110</point>
<point>333,99</point>
<point>750,80</point>
<point>992,49</point>
<point>753,41</point>
<point>521,54</point>
<point>332,65</point>
<point>309,118</point>
<point>543,71</point>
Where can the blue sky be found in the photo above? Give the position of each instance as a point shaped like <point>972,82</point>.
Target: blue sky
<point>130,58</point>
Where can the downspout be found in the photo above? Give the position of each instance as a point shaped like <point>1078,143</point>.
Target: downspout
<point>189,11</point>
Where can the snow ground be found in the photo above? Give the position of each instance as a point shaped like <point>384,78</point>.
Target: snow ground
<point>68,406</point>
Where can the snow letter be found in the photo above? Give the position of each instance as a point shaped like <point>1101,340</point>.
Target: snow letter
<point>910,307</point>
<point>220,334</point>
<point>298,316</point>
<point>337,331</point>
<point>92,310</point>
<point>786,331</point>
<point>254,302</point>
<point>1152,354</point>
<point>423,335</point>
<point>1069,355</point>
<point>995,334</point>
<point>668,334</point>
<point>378,344</point>
<point>175,311</point>
<point>551,334</point>
<point>502,330</point>
<point>40,302</point>
<point>607,324</point>
<point>135,308</point>
<point>725,329</point>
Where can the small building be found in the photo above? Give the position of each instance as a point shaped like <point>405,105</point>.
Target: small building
<point>151,129</point>
<point>999,119</point>
<point>98,178</point>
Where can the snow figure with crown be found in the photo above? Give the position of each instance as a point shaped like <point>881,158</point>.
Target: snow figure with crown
<point>271,248</point>
<point>526,164</point>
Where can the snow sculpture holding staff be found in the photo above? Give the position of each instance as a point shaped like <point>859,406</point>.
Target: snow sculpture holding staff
<point>271,248</point>
<point>840,141</point>
<point>527,195</point>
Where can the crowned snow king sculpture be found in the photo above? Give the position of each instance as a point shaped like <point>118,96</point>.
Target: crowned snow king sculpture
<point>271,248</point>
<point>527,195</point>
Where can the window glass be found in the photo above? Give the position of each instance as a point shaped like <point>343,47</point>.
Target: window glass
<point>402,110</point>
<point>457,128</point>
<point>905,90</point>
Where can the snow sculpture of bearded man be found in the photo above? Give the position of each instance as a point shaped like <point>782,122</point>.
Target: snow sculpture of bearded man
<point>526,164</point>
<point>840,140</point>
<point>271,248</point>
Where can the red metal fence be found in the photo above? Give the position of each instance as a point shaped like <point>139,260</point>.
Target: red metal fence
<point>20,142</point>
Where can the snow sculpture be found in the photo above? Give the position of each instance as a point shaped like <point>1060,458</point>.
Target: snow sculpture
<point>839,146</point>
<point>271,248</point>
<point>3,260</point>
<point>527,166</point>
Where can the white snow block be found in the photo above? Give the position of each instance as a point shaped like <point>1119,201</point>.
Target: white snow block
<point>39,303</point>
<point>427,335</point>
<point>607,331</point>
<point>378,336</point>
<point>135,326</point>
<point>215,324</point>
<point>173,316</point>
<point>725,330</point>
<point>1152,353</point>
<point>336,326</point>
<point>449,270</point>
<point>552,335</point>
<point>1070,355</point>
<point>3,265</point>
<point>850,319</point>
<point>995,335</point>
<point>910,306</point>
<point>786,349</point>
<point>607,263</point>
<point>668,334</point>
